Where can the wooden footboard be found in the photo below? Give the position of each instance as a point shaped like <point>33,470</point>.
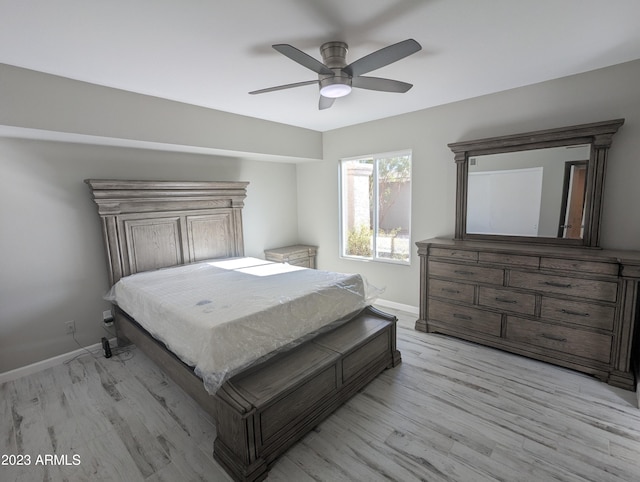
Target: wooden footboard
<point>264,410</point>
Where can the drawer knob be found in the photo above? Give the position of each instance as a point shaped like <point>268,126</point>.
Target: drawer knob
<point>553,337</point>
<point>504,300</point>
<point>557,285</point>
<point>450,290</point>
<point>466,273</point>
<point>461,317</point>
<point>575,313</point>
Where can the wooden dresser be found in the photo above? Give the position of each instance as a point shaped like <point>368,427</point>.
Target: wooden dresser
<point>574,307</point>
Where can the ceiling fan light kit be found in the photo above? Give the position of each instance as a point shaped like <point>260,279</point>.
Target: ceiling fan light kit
<point>336,78</point>
<point>333,91</point>
<point>334,87</point>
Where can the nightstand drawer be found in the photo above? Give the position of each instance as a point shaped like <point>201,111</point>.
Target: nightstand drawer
<point>303,262</point>
<point>296,256</point>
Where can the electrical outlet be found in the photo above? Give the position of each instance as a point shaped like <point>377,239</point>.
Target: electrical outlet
<point>107,318</point>
<point>70,327</point>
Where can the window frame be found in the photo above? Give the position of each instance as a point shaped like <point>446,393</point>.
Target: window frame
<point>341,200</point>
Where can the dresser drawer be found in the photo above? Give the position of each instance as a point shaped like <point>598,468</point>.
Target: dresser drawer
<point>466,272</point>
<point>454,253</point>
<point>451,290</point>
<point>630,271</point>
<point>580,313</point>
<point>581,266</point>
<point>465,318</point>
<point>507,300</point>
<point>585,344</point>
<point>579,287</point>
<point>510,259</point>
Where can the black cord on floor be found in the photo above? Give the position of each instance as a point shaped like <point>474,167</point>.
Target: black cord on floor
<point>122,353</point>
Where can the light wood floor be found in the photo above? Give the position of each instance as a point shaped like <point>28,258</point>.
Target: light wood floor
<point>452,411</point>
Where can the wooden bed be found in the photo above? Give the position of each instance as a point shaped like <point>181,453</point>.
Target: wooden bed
<point>266,408</point>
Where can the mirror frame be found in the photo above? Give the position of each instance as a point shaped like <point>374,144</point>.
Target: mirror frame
<point>598,135</point>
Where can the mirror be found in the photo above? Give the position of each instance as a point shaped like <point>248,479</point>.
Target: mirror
<point>528,193</point>
<point>543,187</point>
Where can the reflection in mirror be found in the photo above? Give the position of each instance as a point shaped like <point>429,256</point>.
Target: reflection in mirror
<point>534,193</point>
<point>573,197</point>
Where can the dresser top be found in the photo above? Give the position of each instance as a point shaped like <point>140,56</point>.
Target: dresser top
<point>580,253</point>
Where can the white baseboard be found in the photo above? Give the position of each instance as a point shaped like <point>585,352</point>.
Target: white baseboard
<point>50,362</point>
<point>398,306</point>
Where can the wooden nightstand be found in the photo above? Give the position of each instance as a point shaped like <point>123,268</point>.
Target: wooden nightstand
<point>298,255</point>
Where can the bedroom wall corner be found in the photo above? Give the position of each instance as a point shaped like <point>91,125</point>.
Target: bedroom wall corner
<point>603,94</point>
<point>52,264</point>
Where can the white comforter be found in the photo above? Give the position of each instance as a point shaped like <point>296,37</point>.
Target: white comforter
<point>220,316</point>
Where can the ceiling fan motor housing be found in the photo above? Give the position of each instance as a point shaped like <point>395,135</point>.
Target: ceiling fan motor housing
<point>334,56</point>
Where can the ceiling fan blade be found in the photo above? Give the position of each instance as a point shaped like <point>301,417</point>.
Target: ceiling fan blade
<point>382,57</point>
<point>325,102</point>
<point>303,59</point>
<point>282,87</point>
<point>384,85</point>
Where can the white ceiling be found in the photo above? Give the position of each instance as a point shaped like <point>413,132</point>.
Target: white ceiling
<point>212,53</point>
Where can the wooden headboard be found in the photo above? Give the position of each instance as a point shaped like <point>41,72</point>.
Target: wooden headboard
<point>155,224</point>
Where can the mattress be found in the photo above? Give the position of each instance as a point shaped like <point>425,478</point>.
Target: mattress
<point>221,316</point>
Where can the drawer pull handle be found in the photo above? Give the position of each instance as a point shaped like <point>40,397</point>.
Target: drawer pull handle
<point>503,300</point>
<point>557,285</point>
<point>569,312</point>
<point>462,317</point>
<point>466,273</point>
<point>553,337</point>
<point>449,290</point>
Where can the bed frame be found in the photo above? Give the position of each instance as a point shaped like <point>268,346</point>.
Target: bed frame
<point>265,409</point>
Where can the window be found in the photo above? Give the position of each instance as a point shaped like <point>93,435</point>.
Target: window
<point>376,207</point>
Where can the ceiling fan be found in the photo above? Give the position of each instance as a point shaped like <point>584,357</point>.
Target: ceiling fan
<point>336,78</point>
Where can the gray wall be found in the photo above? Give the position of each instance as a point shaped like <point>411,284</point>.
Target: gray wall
<point>52,267</point>
<point>88,112</point>
<point>52,263</point>
<point>594,96</point>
